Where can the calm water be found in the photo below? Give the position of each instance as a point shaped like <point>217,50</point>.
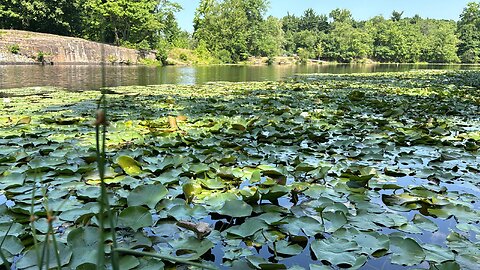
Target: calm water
<point>93,77</point>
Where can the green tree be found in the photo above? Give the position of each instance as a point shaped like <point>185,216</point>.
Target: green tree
<point>395,41</point>
<point>269,43</point>
<point>230,28</point>
<point>346,43</point>
<point>311,21</point>
<point>441,42</point>
<point>469,33</point>
<point>396,16</point>
<point>61,17</point>
<point>341,16</point>
<point>126,21</point>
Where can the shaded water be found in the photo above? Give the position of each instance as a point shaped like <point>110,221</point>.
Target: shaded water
<point>78,77</point>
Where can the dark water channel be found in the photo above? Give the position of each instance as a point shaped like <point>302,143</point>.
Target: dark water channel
<point>81,77</point>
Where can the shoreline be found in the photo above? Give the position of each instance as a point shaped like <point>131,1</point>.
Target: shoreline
<point>323,63</point>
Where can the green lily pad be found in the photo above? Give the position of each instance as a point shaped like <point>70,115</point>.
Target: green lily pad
<point>340,252</point>
<point>135,217</point>
<point>236,208</point>
<point>248,228</point>
<point>148,195</point>
<point>406,251</point>
<point>129,165</point>
<point>84,245</point>
<point>30,257</point>
<point>424,223</point>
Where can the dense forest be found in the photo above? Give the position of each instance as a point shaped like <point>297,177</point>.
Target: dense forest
<point>230,31</point>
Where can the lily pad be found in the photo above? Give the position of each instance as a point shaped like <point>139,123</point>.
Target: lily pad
<point>148,195</point>
<point>135,217</point>
<point>129,165</point>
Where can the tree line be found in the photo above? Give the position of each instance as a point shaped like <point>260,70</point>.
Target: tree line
<point>233,30</point>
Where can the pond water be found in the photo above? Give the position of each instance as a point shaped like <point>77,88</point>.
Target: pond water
<point>80,77</point>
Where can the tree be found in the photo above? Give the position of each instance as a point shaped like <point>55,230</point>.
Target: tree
<point>440,42</point>
<point>127,22</point>
<point>341,15</point>
<point>230,28</point>
<point>61,17</point>
<point>269,42</point>
<point>312,22</point>
<point>468,29</point>
<point>346,43</point>
<point>396,16</point>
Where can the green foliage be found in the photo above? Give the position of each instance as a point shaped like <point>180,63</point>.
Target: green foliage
<point>15,48</point>
<point>231,28</point>
<point>346,43</point>
<point>469,33</point>
<point>303,55</point>
<point>41,57</point>
<point>228,165</point>
<point>62,17</point>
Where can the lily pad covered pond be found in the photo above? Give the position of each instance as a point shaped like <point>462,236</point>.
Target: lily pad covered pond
<point>318,172</point>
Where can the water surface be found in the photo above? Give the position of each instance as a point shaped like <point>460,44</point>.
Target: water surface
<point>81,77</point>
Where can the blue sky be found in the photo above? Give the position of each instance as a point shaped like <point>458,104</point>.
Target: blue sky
<point>361,9</point>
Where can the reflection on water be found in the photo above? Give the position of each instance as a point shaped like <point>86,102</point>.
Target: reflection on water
<point>77,77</point>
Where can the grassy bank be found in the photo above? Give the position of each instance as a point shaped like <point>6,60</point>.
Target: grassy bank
<point>319,171</point>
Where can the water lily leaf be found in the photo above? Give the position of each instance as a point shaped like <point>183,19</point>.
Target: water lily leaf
<point>462,213</point>
<point>128,262</point>
<point>285,248</point>
<point>272,266</point>
<point>340,252</point>
<point>84,244</point>
<point>148,195</point>
<point>30,257</point>
<point>24,120</point>
<point>12,180</point>
<point>129,165</point>
<point>151,264</point>
<point>272,171</point>
<point>424,223</point>
<point>186,212</point>
<point>445,266</point>
<point>135,217</point>
<point>191,248</point>
<point>406,251</point>
<point>199,168</point>
<point>248,228</point>
<point>336,220</point>
<point>274,192</point>
<point>11,244</point>
<point>46,163</point>
<point>191,189</point>
<point>236,208</point>
<point>437,254</point>
<point>297,226</point>
<point>212,183</point>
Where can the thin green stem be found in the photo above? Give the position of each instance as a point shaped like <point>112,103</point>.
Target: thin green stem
<point>4,259</point>
<point>164,257</point>
<point>55,246</point>
<point>100,138</point>
<point>32,224</point>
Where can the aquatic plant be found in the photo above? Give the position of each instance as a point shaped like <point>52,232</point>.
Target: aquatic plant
<point>320,171</point>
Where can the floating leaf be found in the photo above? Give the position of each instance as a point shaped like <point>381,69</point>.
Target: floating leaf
<point>129,165</point>
<point>406,251</point>
<point>30,258</point>
<point>148,195</point>
<point>135,217</point>
<point>340,252</point>
<point>236,208</point>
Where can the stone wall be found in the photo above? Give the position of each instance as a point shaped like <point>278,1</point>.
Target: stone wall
<point>37,47</point>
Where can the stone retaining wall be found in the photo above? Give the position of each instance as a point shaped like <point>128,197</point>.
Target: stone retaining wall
<point>38,47</point>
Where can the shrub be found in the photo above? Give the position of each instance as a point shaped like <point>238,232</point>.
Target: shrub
<point>15,48</point>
